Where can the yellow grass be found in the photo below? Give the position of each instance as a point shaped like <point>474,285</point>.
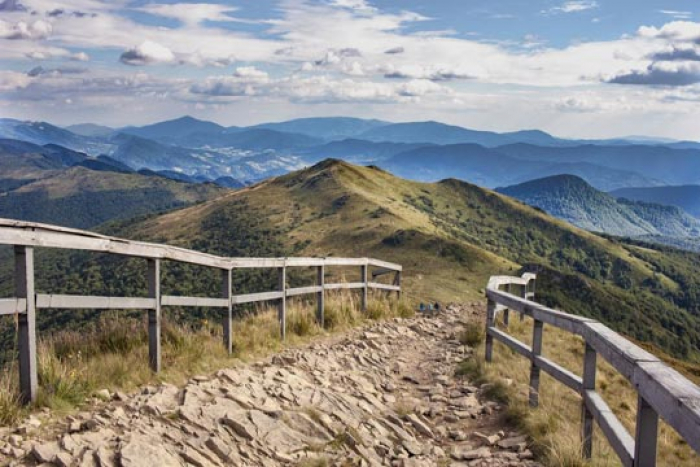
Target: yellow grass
<point>113,353</point>
<point>555,425</point>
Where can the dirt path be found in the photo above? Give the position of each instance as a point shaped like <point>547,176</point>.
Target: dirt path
<point>382,395</point>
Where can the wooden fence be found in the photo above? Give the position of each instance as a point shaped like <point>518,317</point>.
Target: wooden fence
<point>661,390</point>
<point>25,236</point>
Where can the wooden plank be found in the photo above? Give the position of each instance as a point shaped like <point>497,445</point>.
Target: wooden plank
<point>303,290</point>
<point>173,300</point>
<point>511,342</point>
<point>618,351</point>
<point>305,262</point>
<point>378,286</point>
<point>571,323</point>
<point>490,322</point>
<point>26,323</point>
<point>672,396</point>
<point>344,285</point>
<point>384,264</point>
<point>247,263</point>
<point>80,302</point>
<point>332,261</point>
<point>616,434</point>
<point>11,306</point>
<point>560,373</point>
<point>256,297</point>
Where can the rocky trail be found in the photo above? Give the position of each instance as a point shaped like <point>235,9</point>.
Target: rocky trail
<point>381,395</point>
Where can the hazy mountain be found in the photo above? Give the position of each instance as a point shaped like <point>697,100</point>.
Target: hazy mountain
<point>686,197</point>
<point>358,151</point>
<point>671,166</point>
<point>172,130</point>
<point>600,177</point>
<point>490,168</point>
<point>570,198</point>
<point>327,128</point>
<point>440,133</point>
<point>140,153</point>
<point>90,130</point>
<point>42,133</point>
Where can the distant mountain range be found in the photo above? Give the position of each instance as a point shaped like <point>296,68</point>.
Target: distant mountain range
<point>572,199</point>
<point>426,151</point>
<point>686,197</point>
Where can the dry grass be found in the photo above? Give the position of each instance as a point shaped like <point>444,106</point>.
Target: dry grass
<point>113,353</point>
<point>555,425</point>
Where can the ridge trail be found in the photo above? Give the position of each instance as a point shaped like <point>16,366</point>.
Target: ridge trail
<point>381,395</point>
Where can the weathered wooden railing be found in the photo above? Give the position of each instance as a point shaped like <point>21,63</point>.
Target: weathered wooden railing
<point>24,236</point>
<point>661,390</point>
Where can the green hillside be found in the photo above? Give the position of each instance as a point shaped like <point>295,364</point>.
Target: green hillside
<point>83,198</point>
<point>570,198</point>
<point>450,236</point>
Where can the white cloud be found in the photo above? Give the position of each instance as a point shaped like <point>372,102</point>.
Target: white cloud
<point>572,7</point>
<point>80,57</point>
<point>32,30</point>
<point>676,14</point>
<point>431,72</point>
<point>148,52</point>
<point>191,13</point>
<point>251,74</point>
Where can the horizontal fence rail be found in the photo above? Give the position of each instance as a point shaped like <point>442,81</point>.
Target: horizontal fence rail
<point>662,391</point>
<point>25,236</point>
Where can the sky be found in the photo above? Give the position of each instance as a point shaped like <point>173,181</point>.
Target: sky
<point>579,68</point>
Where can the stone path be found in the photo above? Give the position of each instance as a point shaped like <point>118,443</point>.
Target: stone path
<point>384,395</point>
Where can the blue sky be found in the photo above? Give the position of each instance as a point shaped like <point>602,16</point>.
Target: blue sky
<point>580,68</point>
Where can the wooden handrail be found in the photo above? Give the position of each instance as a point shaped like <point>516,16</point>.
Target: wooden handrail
<point>662,391</point>
<point>25,236</point>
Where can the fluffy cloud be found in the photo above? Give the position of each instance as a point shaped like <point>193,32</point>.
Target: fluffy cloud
<point>661,74</point>
<point>680,52</point>
<point>251,74</point>
<point>33,30</point>
<point>147,53</point>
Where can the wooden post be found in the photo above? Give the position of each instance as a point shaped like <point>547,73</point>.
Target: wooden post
<point>537,331</point>
<point>646,435</point>
<point>490,315</point>
<point>589,375</point>
<point>506,312</point>
<point>154,315</point>
<point>365,288</point>
<point>226,284</point>
<point>397,281</point>
<point>523,294</point>
<point>24,288</point>
<point>282,307</point>
<point>320,295</point>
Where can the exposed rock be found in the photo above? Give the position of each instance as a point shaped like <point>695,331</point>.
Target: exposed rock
<point>138,453</point>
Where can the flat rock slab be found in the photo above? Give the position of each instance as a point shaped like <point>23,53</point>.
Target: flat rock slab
<point>384,395</point>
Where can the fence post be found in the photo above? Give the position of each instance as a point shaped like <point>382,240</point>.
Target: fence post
<point>646,435</point>
<point>490,315</point>
<point>537,331</point>
<point>226,284</point>
<point>154,315</point>
<point>320,295</point>
<point>523,294</point>
<point>589,375</point>
<point>24,288</point>
<point>282,307</point>
<point>397,282</point>
<point>365,289</point>
<point>506,312</point>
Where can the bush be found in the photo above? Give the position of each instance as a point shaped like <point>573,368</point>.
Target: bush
<point>472,335</point>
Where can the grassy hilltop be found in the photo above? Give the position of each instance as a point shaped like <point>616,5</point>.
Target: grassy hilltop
<point>449,236</point>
